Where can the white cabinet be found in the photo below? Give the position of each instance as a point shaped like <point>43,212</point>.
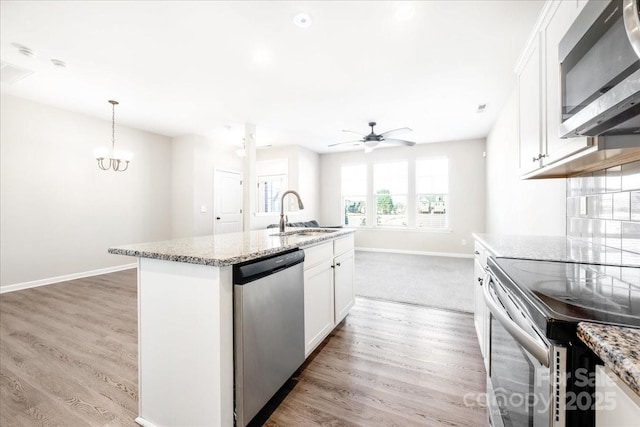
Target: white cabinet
<point>539,98</point>
<point>318,304</point>
<point>616,404</point>
<point>560,17</point>
<point>343,285</point>
<point>529,109</point>
<point>328,288</point>
<point>480,311</point>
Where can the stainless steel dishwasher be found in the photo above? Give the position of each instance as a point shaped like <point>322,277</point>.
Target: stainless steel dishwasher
<point>268,329</point>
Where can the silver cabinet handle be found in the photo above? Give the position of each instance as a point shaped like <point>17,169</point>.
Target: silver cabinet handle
<point>632,23</point>
<point>537,349</point>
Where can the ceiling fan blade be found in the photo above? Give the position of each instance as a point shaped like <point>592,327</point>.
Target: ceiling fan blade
<point>389,132</point>
<point>392,141</point>
<point>352,131</point>
<point>354,142</point>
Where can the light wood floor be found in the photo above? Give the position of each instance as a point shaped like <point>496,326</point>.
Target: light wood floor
<point>68,357</point>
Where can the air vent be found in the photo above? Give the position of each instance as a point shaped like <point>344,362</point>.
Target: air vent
<point>11,74</point>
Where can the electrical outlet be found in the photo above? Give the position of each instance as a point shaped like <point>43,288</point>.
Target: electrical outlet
<point>464,242</point>
<point>203,208</point>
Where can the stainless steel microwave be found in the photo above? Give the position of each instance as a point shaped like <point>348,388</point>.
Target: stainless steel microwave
<point>600,71</point>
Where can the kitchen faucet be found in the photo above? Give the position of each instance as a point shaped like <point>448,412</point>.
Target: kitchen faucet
<point>300,205</point>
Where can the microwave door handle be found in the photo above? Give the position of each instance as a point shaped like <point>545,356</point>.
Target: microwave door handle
<point>534,347</point>
<point>632,23</point>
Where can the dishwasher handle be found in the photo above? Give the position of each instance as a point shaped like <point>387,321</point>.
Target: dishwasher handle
<point>256,269</point>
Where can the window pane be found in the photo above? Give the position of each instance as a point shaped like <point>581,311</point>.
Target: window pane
<point>392,177</point>
<point>354,179</point>
<point>391,209</point>
<point>270,190</point>
<point>355,211</point>
<point>432,176</point>
<point>432,211</point>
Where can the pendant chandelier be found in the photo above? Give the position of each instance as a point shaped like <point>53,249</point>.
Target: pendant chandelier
<point>118,160</point>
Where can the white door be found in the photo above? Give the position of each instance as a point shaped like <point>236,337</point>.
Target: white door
<point>228,202</point>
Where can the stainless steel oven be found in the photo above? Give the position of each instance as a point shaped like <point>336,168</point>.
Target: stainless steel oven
<point>525,387</point>
<point>540,372</point>
<point>600,71</point>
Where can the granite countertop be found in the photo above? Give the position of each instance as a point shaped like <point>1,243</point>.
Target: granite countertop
<point>228,249</point>
<point>556,248</point>
<point>618,347</point>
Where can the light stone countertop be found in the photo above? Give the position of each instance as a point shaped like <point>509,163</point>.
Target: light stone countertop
<point>618,347</point>
<point>556,248</point>
<point>228,249</point>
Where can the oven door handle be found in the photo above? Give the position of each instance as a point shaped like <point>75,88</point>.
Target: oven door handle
<point>632,23</point>
<point>534,347</point>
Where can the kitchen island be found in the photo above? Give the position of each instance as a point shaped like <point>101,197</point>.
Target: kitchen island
<point>185,320</point>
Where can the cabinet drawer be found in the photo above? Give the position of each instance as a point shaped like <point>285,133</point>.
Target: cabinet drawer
<point>481,254</point>
<point>342,245</point>
<point>317,254</point>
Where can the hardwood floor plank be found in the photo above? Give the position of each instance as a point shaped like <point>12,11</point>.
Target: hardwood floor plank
<point>68,353</point>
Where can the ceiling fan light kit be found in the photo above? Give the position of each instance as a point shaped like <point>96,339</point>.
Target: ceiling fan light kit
<point>373,140</point>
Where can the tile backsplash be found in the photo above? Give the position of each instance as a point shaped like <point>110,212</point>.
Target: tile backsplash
<point>603,208</point>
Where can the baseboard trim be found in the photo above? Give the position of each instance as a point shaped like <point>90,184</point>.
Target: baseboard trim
<point>65,278</point>
<point>401,251</point>
<point>144,423</point>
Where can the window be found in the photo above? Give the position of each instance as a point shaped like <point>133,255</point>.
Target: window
<point>432,188</point>
<point>270,188</point>
<point>272,182</point>
<point>354,195</point>
<point>390,181</point>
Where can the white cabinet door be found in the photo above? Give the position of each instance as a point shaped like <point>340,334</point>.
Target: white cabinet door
<point>343,284</point>
<point>560,18</point>
<point>318,304</point>
<point>529,109</point>
<point>616,404</point>
<point>480,308</point>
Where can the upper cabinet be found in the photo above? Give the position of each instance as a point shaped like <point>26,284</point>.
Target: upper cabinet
<point>530,108</point>
<point>560,17</point>
<point>543,153</point>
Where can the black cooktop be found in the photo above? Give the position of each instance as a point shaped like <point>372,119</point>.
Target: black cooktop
<point>558,295</point>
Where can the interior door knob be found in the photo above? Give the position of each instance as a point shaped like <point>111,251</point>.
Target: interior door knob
<point>218,217</point>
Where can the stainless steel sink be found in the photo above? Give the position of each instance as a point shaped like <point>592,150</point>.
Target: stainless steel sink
<point>314,232</point>
<point>307,232</point>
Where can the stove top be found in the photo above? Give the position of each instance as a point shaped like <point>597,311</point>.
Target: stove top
<point>568,293</point>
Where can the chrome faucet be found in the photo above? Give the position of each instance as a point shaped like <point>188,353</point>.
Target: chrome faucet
<point>300,205</point>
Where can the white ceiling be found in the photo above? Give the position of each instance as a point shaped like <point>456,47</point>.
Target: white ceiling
<point>180,67</point>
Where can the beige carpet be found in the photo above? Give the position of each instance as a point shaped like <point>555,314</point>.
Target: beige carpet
<point>441,282</point>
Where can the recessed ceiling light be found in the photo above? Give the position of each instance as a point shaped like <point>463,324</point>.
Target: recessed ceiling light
<point>405,11</point>
<point>302,20</point>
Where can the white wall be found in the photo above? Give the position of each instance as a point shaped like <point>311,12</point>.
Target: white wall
<point>303,177</point>
<point>466,197</point>
<point>59,213</point>
<point>515,206</point>
<point>194,160</point>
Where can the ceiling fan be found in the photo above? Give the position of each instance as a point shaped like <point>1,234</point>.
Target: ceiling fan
<point>374,140</point>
